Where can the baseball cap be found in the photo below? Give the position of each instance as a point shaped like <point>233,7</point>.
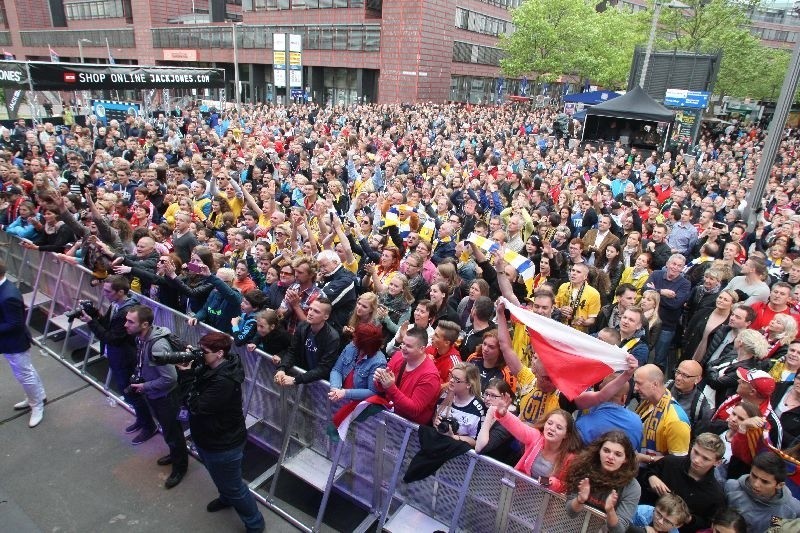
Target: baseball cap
<point>241,160</point>
<point>759,380</point>
<point>14,190</point>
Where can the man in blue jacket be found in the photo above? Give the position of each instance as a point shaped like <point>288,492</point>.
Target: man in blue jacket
<point>674,289</point>
<point>16,342</point>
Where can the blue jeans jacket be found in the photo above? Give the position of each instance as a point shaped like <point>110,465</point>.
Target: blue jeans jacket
<point>364,377</point>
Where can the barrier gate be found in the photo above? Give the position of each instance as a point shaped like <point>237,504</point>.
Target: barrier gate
<point>469,493</point>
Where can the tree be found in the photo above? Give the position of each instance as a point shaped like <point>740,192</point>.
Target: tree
<point>555,37</point>
<point>749,68</point>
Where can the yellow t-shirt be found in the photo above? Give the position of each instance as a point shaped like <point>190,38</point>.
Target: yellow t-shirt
<point>169,214</point>
<point>533,403</point>
<point>588,307</point>
<point>673,433</point>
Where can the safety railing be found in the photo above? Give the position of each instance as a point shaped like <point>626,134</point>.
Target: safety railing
<point>468,493</point>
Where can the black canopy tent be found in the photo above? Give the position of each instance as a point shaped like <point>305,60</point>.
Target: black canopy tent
<point>605,121</point>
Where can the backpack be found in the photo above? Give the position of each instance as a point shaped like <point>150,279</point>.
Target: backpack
<point>176,344</point>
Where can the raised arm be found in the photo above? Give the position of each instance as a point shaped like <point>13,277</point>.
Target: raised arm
<point>504,339</point>
<point>502,279</point>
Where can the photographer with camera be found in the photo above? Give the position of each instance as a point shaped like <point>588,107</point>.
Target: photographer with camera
<point>158,383</point>
<point>119,347</point>
<point>460,411</point>
<point>218,427</point>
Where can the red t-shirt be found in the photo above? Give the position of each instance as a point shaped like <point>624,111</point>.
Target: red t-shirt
<point>764,315</point>
<point>415,392</point>
<point>444,363</point>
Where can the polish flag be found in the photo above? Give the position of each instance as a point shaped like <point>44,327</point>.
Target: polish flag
<point>574,360</point>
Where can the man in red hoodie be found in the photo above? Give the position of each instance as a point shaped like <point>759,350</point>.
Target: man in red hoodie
<point>410,380</point>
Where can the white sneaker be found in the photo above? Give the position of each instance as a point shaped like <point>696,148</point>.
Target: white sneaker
<point>21,406</point>
<point>37,413</point>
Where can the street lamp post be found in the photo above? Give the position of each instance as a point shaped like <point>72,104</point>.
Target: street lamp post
<point>80,47</point>
<point>674,4</point>
<point>236,89</point>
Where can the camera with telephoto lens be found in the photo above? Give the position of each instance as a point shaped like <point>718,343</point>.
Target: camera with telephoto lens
<point>447,424</point>
<point>84,306</point>
<point>135,379</point>
<point>178,358</point>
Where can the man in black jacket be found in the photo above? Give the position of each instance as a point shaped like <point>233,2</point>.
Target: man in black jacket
<point>216,420</point>
<point>315,347</point>
<point>339,286</point>
<point>691,477</point>
<point>120,349</point>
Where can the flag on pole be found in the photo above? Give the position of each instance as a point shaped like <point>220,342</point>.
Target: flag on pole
<point>53,55</point>
<point>573,360</point>
<point>110,57</point>
<point>524,266</point>
<point>8,56</point>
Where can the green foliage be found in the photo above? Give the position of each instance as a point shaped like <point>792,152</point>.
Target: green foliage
<point>749,68</point>
<point>555,37</point>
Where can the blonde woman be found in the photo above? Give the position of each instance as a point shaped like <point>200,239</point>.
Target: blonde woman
<point>650,302</point>
<point>779,333</point>
<point>461,402</point>
<point>366,312</point>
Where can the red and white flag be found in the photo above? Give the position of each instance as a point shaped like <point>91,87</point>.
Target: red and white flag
<point>573,360</point>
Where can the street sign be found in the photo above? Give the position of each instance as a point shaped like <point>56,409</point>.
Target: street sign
<point>684,98</point>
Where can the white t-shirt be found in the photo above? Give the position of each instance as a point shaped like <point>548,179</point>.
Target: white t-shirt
<point>469,416</point>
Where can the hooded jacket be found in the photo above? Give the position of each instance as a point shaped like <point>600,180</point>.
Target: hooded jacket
<point>215,406</point>
<point>758,510</point>
<point>159,380</point>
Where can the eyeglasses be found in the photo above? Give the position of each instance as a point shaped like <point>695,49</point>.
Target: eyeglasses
<point>658,515</point>
<point>492,396</point>
<point>682,374</point>
<point>454,379</point>
<point>287,273</point>
<point>162,260</point>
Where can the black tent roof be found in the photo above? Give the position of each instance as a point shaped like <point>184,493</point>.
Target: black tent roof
<point>635,104</point>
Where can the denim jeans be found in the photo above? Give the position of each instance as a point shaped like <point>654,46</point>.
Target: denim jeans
<point>225,469</point>
<point>662,348</point>
<point>22,368</point>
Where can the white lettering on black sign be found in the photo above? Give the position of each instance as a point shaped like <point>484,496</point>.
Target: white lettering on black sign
<point>11,75</point>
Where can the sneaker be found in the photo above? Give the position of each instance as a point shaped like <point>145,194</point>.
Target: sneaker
<point>164,461</point>
<point>174,478</point>
<point>216,505</point>
<point>37,414</point>
<point>144,435</point>
<point>133,428</point>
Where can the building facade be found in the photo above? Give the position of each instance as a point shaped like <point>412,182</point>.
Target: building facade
<point>353,50</point>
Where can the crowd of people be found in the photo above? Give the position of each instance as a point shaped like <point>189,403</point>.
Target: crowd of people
<point>370,246</point>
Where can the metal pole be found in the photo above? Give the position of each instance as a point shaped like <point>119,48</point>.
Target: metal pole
<point>236,68</point>
<point>755,201</point>
<point>650,41</point>
<point>80,49</point>
<point>32,99</point>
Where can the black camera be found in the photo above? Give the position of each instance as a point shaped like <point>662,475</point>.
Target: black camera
<point>84,306</point>
<point>134,380</point>
<point>447,424</point>
<point>178,358</point>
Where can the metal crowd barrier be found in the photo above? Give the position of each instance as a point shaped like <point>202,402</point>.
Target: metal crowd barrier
<point>469,493</point>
